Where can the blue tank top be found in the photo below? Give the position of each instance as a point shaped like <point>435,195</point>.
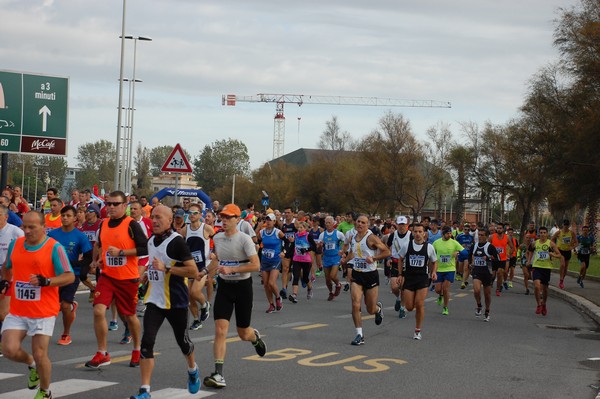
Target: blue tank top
<point>271,246</point>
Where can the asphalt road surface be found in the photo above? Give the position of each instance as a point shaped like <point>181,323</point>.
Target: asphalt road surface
<point>518,354</point>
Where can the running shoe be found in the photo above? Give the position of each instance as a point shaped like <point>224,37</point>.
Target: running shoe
<point>346,287</point>
<point>318,273</point>
<point>309,293</point>
<point>510,285</point>
<point>140,308</point>
<point>113,325</point>
<point>463,285</point>
<point>440,300</point>
<point>331,296</point>
<point>34,379</point>
<point>538,309</point>
<point>445,311</point>
<point>215,380</point>
<point>338,288</point>
<point>293,298</point>
<point>578,279</point>
<point>135,358</point>
<point>505,285</point>
<point>497,292</point>
<point>417,335</point>
<point>379,314</point>
<point>142,394</point>
<point>98,361</point>
<point>303,284</point>
<point>126,339</point>
<point>64,340</point>
<point>544,310</point>
<point>561,284</point>
<point>193,381</point>
<point>458,277</point>
<point>402,312</point>
<point>358,340</point>
<point>41,394</point>
<point>487,317</point>
<point>527,291</point>
<point>271,309</point>
<point>259,345</point>
<point>283,294</point>
<point>432,288</point>
<point>205,312</point>
<point>478,312</point>
<point>74,306</point>
<point>278,304</point>
<point>196,325</point>
<point>397,305</point>
<point>313,278</point>
<point>581,283</point>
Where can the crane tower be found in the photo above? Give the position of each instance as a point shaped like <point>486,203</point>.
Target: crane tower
<point>300,99</point>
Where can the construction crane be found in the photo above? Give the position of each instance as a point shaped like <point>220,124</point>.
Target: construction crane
<point>300,99</point>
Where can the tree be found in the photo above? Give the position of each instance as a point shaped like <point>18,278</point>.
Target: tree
<point>218,162</point>
<point>460,157</point>
<point>158,157</point>
<point>436,151</point>
<point>142,169</point>
<point>333,138</point>
<point>97,163</point>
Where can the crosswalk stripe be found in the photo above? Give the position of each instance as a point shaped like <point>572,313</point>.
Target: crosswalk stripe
<point>5,376</point>
<point>62,388</point>
<point>175,393</point>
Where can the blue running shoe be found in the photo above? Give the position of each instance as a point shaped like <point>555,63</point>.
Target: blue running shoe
<point>143,394</point>
<point>193,381</point>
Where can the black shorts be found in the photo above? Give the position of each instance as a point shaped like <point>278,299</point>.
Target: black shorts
<point>584,259</point>
<point>289,252</point>
<point>512,262</point>
<point>565,254</point>
<point>484,276</point>
<point>498,264</point>
<point>67,292</point>
<point>542,274</point>
<point>234,294</point>
<point>366,280</point>
<point>416,282</point>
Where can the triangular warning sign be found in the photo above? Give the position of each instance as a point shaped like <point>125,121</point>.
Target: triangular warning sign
<point>177,162</point>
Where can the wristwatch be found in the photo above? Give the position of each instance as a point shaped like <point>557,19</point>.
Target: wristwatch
<point>122,252</point>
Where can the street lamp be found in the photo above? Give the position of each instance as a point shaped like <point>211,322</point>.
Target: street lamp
<point>119,113</point>
<point>127,160</point>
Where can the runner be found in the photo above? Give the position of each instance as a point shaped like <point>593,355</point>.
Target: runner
<point>587,245</point>
<point>120,242</point>
<point>90,229</point>
<point>53,220</point>
<point>330,241</point>
<point>235,260</point>
<point>543,251</point>
<point>197,237</point>
<point>316,252</point>
<point>78,247</point>
<point>419,268</point>
<point>398,242</point>
<point>525,261</point>
<point>349,234</point>
<point>167,298</point>
<point>365,277</point>
<point>483,255</point>
<point>446,249</point>
<point>36,266</point>
<point>566,241</point>
<point>289,229</point>
<point>301,261</point>
<point>505,248</point>
<point>466,240</point>
<point>512,261</point>
<point>270,263</point>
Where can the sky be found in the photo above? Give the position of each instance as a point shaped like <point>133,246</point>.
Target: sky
<point>476,54</point>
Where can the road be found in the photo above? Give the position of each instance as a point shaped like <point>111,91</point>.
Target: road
<point>518,354</point>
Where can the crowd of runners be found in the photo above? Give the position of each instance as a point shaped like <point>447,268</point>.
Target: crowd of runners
<point>151,261</point>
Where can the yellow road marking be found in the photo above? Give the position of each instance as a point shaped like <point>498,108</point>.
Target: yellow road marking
<point>367,317</point>
<point>460,295</point>
<point>310,326</point>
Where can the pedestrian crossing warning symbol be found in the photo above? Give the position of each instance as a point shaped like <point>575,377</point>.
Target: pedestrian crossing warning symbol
<point>177,162</point>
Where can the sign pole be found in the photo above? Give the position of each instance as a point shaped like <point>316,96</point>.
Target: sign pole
<point>176,186</point>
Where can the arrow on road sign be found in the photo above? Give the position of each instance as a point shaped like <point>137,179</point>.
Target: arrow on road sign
<point>44,111</point>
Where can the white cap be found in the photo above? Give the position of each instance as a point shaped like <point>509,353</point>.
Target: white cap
<point>271,216</point>
<point>401,220</point>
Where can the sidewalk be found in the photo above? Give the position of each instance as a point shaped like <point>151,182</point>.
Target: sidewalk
<point>586,299</point>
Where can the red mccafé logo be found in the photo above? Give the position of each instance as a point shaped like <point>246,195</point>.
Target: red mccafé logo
<point>37,145</point>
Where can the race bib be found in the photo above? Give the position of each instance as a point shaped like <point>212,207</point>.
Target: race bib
<point>416,261</point>
<point>156,275</point>
<point>445,258</point>
<point>115,261</point>
<point>360,263</point>
<point>479,261</point>
<point>27,292</point>
<point>230,263</point>
<point>268,253</point>
<point>197,255</point>
<point>91,235</point>
<point>566,240</point>
<point>585,251</point>
<point>329,246</point>
<point>543,255</point>
<point>500,250</point>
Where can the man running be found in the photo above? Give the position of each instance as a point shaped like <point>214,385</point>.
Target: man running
<point>235,260</point>
<point>170,262</point>
<point>365,277</point>
<point>289,229</point>
<point>505,248</point>
<point>36,266</point>
<point>483,254</point>
<point>446,249</point>
<point>397,242</point>
<point>587,245</point>
<point>330,241</point>
<point>543,251</point>
<point>566,241</point>
<point>466,240</point>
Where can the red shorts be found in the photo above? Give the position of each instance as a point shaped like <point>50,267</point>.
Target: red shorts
<point>123,292</point>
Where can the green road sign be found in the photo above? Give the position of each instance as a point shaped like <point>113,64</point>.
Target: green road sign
<point>33,113</point>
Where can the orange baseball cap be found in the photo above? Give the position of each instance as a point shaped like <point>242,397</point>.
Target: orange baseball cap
<point>231,210</point>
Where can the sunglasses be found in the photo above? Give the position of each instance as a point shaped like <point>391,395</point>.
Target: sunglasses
<point>195,212</point>
<point>228,217</point>
<point>113,203</point>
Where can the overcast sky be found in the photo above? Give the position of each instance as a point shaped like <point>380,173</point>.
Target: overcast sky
<point>476,54</point>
